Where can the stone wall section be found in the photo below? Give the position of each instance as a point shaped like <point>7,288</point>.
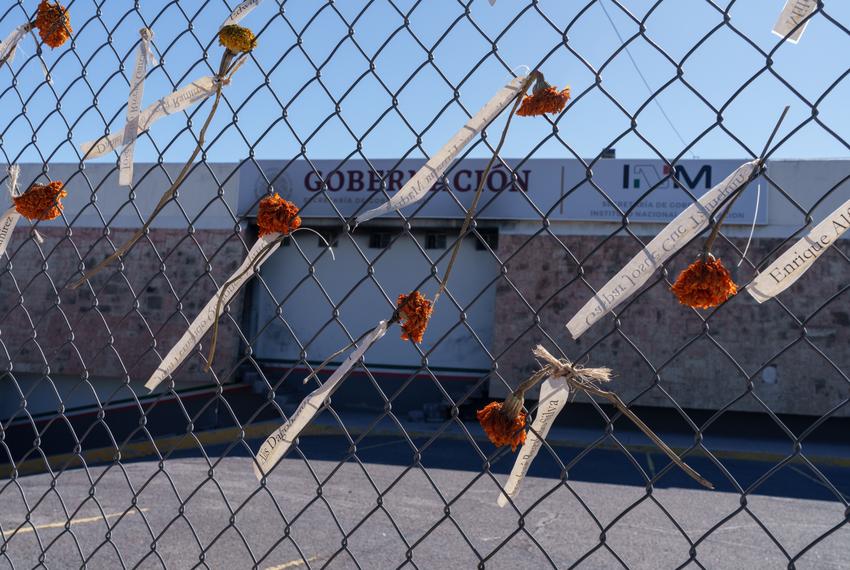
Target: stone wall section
<point>138,312</point>
<point>657,346</point>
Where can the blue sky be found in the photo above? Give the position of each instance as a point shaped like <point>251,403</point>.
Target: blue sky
<point>461,47</point>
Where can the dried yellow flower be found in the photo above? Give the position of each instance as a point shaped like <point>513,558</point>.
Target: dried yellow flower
<point>237,38</point>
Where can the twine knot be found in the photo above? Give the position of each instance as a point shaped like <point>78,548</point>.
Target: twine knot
<point>562,367</point>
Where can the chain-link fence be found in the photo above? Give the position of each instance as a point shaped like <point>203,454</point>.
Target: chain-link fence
<point>336,107</point>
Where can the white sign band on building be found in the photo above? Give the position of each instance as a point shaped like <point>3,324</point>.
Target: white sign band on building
<point>794,12</point>
<point>554,393</point>
<point>9,45</point>
<point>278,443</point>
<point>134,109</point>
<point>418,185</point>
<point>181,99</point>
<point>671,239</point>
<point>207,316</point>
<point>797,259</point>
<point>240,12</point>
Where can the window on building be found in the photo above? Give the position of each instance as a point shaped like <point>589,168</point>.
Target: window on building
<point>379,240</point>
<point>435,240</point>
<point>489,237</point>
<point>331,236</point>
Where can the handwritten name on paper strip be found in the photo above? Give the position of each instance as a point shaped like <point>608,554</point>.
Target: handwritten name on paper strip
<point>554,393</point>
<point>797,259</point>
<point>671,239</point>
<point>427,176</point>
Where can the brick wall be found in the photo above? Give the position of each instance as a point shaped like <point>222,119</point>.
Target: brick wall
<point>656,333</point>
<point>113,337</point>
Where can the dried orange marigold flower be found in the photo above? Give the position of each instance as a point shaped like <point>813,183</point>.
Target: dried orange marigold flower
<point>277,215</point>
<point>415,310</point>
<point>501,429</point>
<point>53,23</point>
<point>41,202</point>
<point>237,38</point>
<point>704,284</point>
<point>546,100</point>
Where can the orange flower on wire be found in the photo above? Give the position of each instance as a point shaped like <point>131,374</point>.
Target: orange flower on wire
<point>53,23</point>
<point>41,202</point>
<point>704,284</point>
<point>414,310</point>
<point>500,427</point>
<point>543,99</point>
<point>277,215</point>
<point>237,38</point>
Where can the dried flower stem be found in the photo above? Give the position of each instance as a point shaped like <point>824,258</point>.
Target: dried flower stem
<point>394,318</point>
<point>471,211</point>
<point>261,257</point>
<point>226,70</point>
<point>715,231</point>
<point>586,380</point>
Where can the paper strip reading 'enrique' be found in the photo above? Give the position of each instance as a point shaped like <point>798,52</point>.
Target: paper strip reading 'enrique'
<point>554,393</point>
<point>279,442</point>
<point>797,259</point>
<point>671,239</point>
<point>207,316</point>
<point>427,176</point>
<point>134,108</point>
<point>240,12</point>
<point>185,97</point>
<point>794,12</point>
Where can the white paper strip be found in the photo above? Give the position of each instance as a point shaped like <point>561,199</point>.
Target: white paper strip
<point>206,317</point>
<point>797,259</point>
<point>134,109</point>
<point>7,225</point>
<point>241,11</point>
<point>554,393</point>
<point>278,443</point>
<point>424,179</point>
<point>9,46</point>
<point>671,239</point>
<point>10,217</point>
<point>794,12</point>
<point>185,97</point>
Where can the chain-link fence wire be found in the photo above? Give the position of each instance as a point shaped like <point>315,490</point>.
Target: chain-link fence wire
<point>297,97</point>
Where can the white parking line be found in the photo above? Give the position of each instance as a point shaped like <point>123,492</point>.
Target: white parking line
<point>292,563</point>
<point>62,523</point>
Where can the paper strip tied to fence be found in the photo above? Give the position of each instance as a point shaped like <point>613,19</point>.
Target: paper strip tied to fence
<point>265,246</point>
<point>181,99</point>
<point>240,12</point>
<point>134,106</point>
<point>794,12</point>
<point>797,259</point>
<point>10,217</point>
<point>419,184</point>
<point>676,235</point>
<point>554,393</point>
<point>9,45</point>
<point>279,442</point>
<point>8,221</point>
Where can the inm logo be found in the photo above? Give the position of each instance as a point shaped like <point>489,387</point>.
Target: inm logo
<point>645,176</point>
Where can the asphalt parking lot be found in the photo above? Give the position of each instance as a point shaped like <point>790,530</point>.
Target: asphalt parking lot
<point>376,511</point>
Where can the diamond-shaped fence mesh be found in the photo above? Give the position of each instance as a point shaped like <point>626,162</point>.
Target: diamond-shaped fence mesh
<point>339,104</point>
